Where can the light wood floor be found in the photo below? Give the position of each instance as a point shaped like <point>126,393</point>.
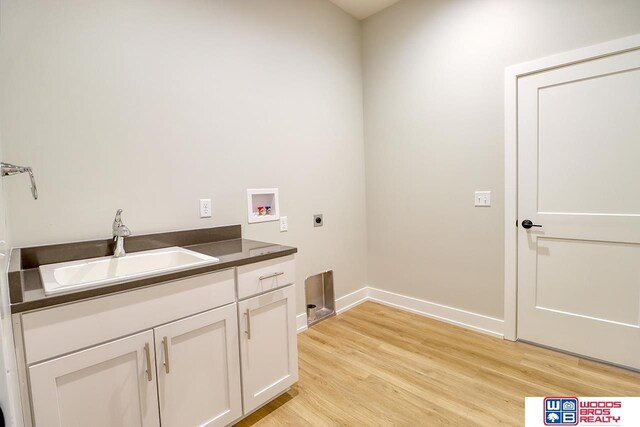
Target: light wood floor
<point>375,365</point>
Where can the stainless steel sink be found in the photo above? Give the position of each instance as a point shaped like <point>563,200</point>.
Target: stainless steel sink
<point>92,273</point>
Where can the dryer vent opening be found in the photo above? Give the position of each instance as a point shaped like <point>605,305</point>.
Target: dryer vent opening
<point>320,298</point>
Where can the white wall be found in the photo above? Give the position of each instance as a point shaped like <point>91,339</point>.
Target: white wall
<point>433,96</point>
<point>149,105</point>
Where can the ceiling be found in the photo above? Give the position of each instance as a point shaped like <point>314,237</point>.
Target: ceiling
<point>361,9</point>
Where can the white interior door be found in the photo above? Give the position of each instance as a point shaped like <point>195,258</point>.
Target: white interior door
<point>579,178</point>
<point>199,370</point>
<point>110,385</point>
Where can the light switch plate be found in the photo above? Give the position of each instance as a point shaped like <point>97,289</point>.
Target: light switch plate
<point>205,208</point>
<point>483,198</point>
<point>284,224</point>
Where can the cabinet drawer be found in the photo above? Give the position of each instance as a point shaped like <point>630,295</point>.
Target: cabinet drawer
<point>266,275</point>
<point>63,329</point>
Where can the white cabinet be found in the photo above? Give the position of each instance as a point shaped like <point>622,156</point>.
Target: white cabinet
<point>268,346</point>
<point>191,376</point>
<point>192,365</point>
<point>113,384</point>
<point>67,328</point>
<point>199,370</point>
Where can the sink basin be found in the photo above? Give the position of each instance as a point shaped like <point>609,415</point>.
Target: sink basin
<point>92,273</point>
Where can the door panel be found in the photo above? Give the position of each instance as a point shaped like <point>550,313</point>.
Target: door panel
<point>103,386</point>
<point>578,149</point>
<point>574,276</point>
<point>201,386</point>
<point>268,346</point>
<point>588,145</point>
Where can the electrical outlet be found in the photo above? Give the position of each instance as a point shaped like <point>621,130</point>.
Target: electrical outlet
<point>317,220</point>
<point>205,208</point>
<point>284,224</point>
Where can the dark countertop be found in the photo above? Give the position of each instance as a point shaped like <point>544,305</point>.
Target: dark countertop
<point>27,292</point>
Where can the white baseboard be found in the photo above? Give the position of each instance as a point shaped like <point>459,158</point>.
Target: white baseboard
<point>351,300</point>
<point>466,319</point>
<point>455,316</point>
<point>301,322</point>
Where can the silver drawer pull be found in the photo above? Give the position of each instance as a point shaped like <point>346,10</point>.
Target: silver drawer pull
<point>280,273</point>
<point>248,330</point>
<point>165,344</point>
<point>148,357</point>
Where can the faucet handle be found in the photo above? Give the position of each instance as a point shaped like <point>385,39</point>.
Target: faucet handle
<point>122,231</point>
<point>117,221</point>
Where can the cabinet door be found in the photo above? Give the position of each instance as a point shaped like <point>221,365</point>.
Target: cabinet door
<point>109,385</point>
<point>268,346</point>
<point>199,369</point>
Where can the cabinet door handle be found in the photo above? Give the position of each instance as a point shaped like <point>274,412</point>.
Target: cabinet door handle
<point>165,345</point>
<point>148,356</point>
<point>248,330</point>
<point>280,273</point>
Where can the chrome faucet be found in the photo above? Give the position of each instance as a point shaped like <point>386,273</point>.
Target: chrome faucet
<point>8,169</point>
<point>120,231</point>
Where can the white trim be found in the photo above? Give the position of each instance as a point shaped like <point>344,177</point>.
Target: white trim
<point>301,322</point>
<point>511,76</point>
<point>463,318</point>
<point>466,319</point>
<point>510,205</point>
<point>349,301</point>
<point>575,56</point>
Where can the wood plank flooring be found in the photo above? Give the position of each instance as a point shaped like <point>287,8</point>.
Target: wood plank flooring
<point>379,366</point>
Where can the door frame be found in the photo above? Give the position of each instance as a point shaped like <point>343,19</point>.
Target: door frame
<point>511,76</point>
